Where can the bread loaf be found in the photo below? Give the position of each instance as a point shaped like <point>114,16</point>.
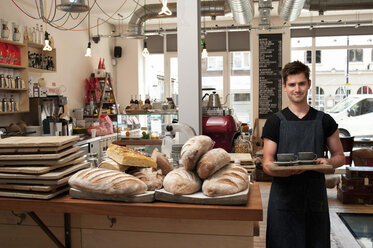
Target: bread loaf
<point>182,182</point>
<point>211,162</point>
<point>107,182</point>
<point>153,178</point>
<point>229,180</point>
<point>112,165</point>
<point>162,162</point>
<point>193,149</point>
<point>126,156</point>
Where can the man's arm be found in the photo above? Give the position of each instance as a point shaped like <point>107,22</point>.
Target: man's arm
<point>269,153</point>
<point>334,145</point>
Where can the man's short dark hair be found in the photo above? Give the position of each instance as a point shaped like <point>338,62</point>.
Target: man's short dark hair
<point>294,68</point>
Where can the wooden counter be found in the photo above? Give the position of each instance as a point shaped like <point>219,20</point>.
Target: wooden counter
<point>137,224</point>
<point>65,204</point>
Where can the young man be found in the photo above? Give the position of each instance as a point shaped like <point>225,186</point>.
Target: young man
<point>298,213</point>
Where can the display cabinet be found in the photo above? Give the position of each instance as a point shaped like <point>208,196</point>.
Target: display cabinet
<point>144,132</point>
<point>152,123</point>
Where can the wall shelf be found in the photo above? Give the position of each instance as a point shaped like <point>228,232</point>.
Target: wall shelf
<point>12,66</point>
<point>20,94</point>
<point>35,70</point>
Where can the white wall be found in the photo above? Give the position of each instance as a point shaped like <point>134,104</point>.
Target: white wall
<point>72,66</point>
<point>129,70</point>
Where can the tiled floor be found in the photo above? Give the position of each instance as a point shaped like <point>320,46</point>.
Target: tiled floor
<point>340,235</point>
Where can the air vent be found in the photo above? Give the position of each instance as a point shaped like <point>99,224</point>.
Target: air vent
<point>77,7</point>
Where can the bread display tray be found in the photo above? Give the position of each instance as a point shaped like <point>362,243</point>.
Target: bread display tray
<point>275,167</point>
<point>199,198</point>
<point>34,195</point>
<point>148,196</point>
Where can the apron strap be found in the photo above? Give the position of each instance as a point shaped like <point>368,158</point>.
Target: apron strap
<point>281,116</point>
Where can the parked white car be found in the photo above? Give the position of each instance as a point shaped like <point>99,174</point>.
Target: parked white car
<point>354,115</point>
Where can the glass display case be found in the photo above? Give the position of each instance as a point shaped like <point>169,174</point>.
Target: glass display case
<point>144,131</point>
<point>151,123</point>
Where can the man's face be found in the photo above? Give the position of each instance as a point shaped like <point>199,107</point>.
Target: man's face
<point>296,87</point>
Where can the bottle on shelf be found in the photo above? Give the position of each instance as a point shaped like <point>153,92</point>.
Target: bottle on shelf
<point>25,35</point>
<point>140,101</point>
<point>99,64</point>
<point>11,104</point>
<point>30,37</point>
<point>91,106</point>
<point>147,100</point>
<point>132,101</point>
<point>167,143</point>
<point>41,40</point>
<point>34,35</point>
<point>136,101</point>
<point>37,40</point>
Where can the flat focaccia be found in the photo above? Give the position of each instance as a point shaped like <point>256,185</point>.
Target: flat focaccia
<point>126,156</point>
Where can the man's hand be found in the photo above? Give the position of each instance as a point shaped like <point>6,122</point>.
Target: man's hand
<point>322,161</point>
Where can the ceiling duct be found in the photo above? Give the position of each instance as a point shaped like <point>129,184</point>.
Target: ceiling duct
<point>150,11</point>
<point>289,10</point>
<point>327,5</point>
<point>77,7</point>
<point>242,10</point>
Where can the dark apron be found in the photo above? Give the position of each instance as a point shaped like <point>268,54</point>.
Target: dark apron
<point>298,213</point>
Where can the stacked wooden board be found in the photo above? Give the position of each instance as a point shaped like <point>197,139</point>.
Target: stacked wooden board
<point>245,160</point>
<point>357,185</point>
<point>38,167</point>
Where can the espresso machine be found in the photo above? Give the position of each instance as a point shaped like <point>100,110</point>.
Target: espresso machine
<point>218,122</point>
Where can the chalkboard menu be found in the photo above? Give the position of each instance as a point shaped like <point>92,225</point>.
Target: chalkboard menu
<point>270,64</point>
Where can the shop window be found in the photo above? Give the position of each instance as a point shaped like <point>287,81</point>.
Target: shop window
<point>240,61</point>
<point>241,97</point>
<point>309,57</point>
<point>364,90</point>
<point>355,55</point>
<point>215,63</point>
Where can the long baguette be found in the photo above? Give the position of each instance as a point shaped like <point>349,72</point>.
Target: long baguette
<point>107,182</point>
<point>229,180</point>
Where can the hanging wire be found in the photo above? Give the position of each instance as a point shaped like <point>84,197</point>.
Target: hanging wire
<point>85,29</point>
<point>60,27</point>
<point>119,19</point>
<point>24,12</point>
<point>55,10</point>
<point>75,18</point>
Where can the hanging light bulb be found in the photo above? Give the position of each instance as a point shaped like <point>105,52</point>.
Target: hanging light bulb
<point>145,51</point>
<point>165,10</point>
<point>204,51</point>
<point>88,52</point>
<point>46,47</point>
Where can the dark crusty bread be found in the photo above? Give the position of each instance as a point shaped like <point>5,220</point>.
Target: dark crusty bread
<point>193,149</point>
<point>181,182</point>
<point>153,178</point>
<point>229,180</point>
<point>107,182</point>
<point>211,162</point>
<point>162,162</point>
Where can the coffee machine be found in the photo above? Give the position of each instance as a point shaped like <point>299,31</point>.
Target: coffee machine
<point>218,122</point>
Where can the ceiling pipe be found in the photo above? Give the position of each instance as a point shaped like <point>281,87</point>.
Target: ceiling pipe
<point>150,11</point>
<point>242,10</point>
<point>327,5</point>
<point>289,10</point>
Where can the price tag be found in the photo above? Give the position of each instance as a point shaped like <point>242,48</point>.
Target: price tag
<point>366,181</point>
